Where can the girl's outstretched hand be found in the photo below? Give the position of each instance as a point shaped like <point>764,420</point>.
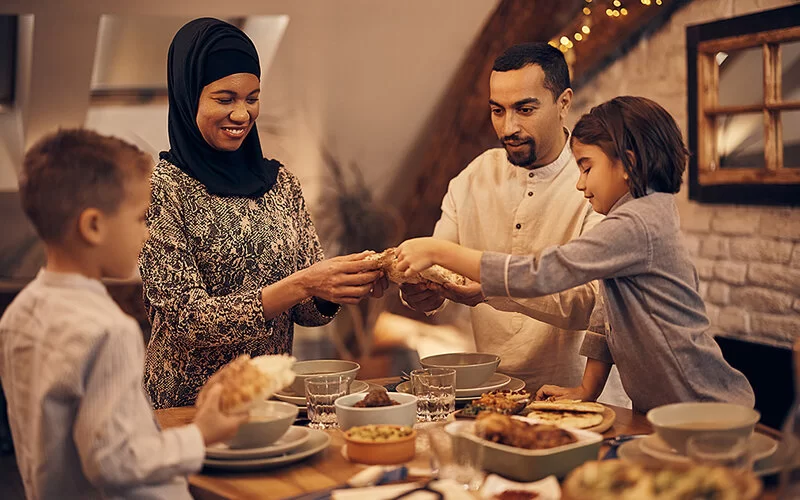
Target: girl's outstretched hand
<point>416,255</point>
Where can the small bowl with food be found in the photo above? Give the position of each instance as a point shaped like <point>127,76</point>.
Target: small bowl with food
<point>472,368</point>
<point>376,407</point>
<point>380,444</point>
<point>269,420</point>
<point>676,423</point>
<point>316,367</point>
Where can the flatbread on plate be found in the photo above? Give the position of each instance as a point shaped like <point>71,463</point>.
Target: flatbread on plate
<point>567,405</point>
<point>578,420</point>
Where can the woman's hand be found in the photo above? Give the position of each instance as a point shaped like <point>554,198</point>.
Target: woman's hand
<point>418,254</point>
<point>343,280</point>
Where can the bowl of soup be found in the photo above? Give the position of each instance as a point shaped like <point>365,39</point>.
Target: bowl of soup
<point>318,367</point>
<point>676,423</point>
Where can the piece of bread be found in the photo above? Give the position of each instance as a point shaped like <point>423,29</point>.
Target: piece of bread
<point>247,381</point>
<point>578,420</point>
<point>435,273</point>
<point>567,405</point>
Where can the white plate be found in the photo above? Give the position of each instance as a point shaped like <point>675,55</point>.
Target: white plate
<point>514,384</point>
<point>761,446</point>
<point>496,381</point>
<point>356,387</point>
<point>293,438</point>
<point>317,441</point>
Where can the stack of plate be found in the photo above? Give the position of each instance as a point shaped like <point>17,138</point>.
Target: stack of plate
<point>295,445</point>
<point>496,382</point>
<point>288,396</point>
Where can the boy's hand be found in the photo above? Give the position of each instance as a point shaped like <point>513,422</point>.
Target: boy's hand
<point>417,255</point>
<point>214,425</point>
<point>554,393</point>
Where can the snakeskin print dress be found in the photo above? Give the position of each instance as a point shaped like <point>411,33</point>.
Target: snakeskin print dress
<point>203,269</point>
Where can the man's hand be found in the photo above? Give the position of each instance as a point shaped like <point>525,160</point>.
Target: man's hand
<point>554,393</point>
<point>421,297</point>
<point>469,294</point>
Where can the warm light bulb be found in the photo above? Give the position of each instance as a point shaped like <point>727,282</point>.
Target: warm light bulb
<point>569,43</point>
<point>616,13</point>
<point>587,11</point>
<point>578,37</point>
<point>585,30</point>
<point>616,3</point>
<point>609,12</point>
<point>564,40</point>
<point>658,2</point>
<point>623,11</point>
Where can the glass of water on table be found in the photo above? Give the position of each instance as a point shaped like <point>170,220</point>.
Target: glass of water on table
<point>321,392</point>
<point>435,389</point>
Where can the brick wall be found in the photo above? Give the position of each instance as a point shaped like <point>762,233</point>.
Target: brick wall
<point>748,258</point>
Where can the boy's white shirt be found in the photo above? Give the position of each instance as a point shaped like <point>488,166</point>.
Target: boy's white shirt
<point>71,365</point>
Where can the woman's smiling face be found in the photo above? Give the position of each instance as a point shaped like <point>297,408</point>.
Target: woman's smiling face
<point>227,110</point>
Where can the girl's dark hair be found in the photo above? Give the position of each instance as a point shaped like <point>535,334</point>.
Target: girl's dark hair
<point>642,127</point>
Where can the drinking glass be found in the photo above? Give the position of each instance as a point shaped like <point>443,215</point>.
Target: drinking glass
<point>456,458</point>
<point>435,389</point>
<point>720,449</point>
<point>321,392</point>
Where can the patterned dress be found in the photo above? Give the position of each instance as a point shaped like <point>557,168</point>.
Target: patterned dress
<point>203,269</point>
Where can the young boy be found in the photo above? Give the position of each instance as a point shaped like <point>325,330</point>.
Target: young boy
<point>70,360</point>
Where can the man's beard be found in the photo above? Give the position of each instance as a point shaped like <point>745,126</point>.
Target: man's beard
<point>521,157</point>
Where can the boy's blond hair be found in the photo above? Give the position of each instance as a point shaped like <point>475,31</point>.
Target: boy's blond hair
<point>71,170</point>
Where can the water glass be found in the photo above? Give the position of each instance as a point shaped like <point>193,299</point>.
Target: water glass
<point>456,458</point>
<point>435,389</point>
<point>321,392</point>
<point>720,449</point>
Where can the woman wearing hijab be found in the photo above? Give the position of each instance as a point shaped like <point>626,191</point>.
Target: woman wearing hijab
<point>233,259</point>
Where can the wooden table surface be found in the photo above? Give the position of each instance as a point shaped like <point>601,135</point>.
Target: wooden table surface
<point>324,470</point>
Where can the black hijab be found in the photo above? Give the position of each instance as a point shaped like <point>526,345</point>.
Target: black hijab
<point>196,54</point>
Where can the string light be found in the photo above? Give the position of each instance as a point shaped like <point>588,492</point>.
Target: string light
<point>609,12</point>
<point>616,3</point>
<point>623,11</point>
<point>587,11</point>
<point>585,30</point>
<point>578,37</point>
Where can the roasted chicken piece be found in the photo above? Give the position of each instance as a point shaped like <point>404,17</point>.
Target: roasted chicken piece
<point>520,434</point>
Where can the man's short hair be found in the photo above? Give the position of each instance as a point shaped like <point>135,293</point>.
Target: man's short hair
<point>71,170</point>
<point>549,58</point>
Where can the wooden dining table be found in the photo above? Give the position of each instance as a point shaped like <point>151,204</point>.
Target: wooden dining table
<point>328,468</point>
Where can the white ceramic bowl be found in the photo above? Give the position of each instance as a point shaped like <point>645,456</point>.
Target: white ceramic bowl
<point>317,367</point>
<point>472,368</point>
<point>269,420</point>
<point>403,414</point>
<point>676,423</point>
